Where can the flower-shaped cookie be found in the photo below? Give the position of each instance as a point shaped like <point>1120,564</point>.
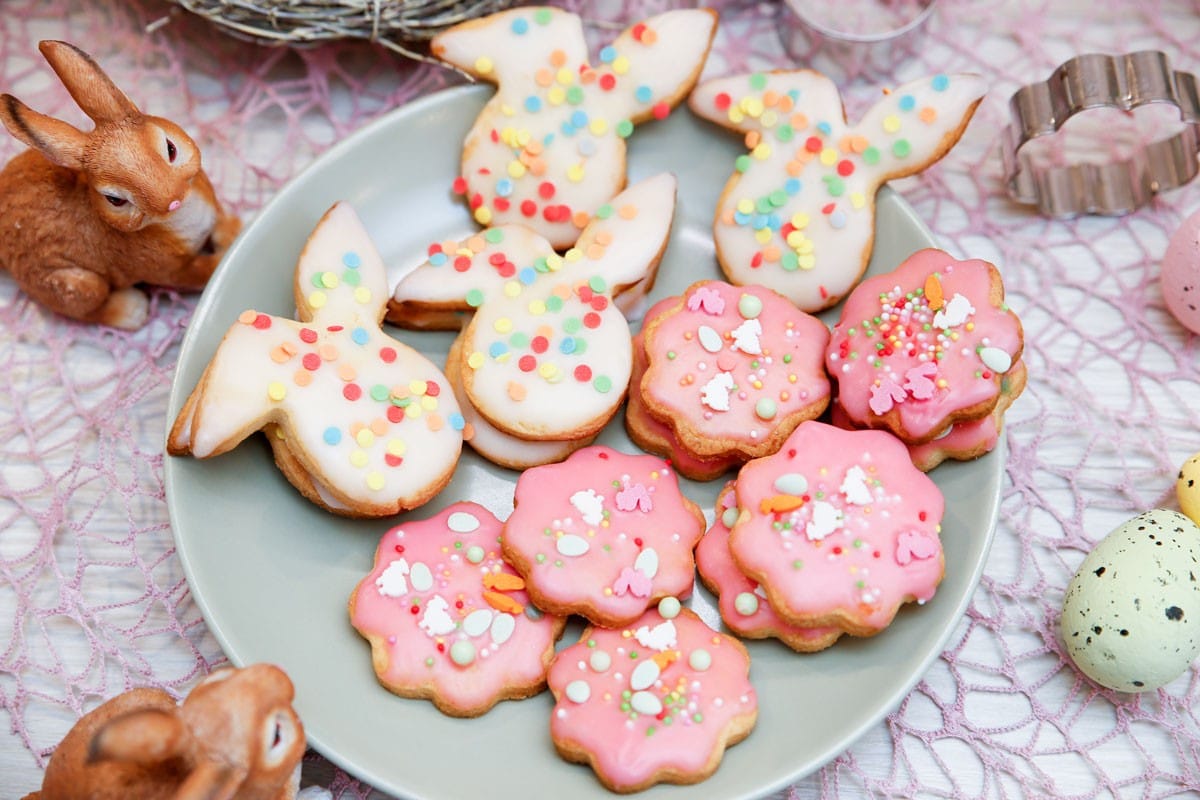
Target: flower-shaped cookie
<point>448,619</point>
<point>603,534</point>
<point>742,602</point>
<point>926,346</point>
<point>839,528</point>
<point>798,214</point>
<point>548,149</point>
<point>370,425</point>
<point>658,700</point>
<point>733,370</point>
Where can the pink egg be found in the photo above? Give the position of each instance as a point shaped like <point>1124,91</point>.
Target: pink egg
<point>1181,274</point>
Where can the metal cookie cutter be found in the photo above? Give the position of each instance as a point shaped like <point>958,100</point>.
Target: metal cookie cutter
<point>1093,81</point>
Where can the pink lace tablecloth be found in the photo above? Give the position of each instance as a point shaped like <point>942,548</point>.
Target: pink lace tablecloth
<point>93,600</point>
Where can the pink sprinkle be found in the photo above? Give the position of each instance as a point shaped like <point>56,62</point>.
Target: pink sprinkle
<point>632,581</point>
<point>885,395</point>
<point>911,545</point>
<point>634,498</point>
<point>708,300</point>
<point>918,380</point>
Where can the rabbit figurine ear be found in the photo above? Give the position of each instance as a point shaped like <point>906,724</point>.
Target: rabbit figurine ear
<point>89,86</point>
<point>60,143</point>
<point>146,736</point>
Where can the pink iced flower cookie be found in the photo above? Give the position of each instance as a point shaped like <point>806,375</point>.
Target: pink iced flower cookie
<point>733,369</point>
<point>839,528</point>
<point>604,534</point>
<point>448,620</point>
<point>742,602</point>
<point>927,346</point>
<point>658,700</point>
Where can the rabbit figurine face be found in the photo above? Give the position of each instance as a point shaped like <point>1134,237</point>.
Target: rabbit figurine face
<point>235,735</point>
<point>88,215</point>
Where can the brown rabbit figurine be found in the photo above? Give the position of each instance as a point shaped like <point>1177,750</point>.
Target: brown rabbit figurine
<point>234,736</point>
<point>85,216</point>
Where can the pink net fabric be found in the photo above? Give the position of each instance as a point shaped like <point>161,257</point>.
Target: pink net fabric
<point>93,601</point>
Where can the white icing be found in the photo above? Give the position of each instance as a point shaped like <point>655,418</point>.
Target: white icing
<point>958,309</point>
<point>590,505</point>
<point>435,619</point>
<point>661,637</point>
<point>838,254</point>
<point>715,393</point>
<point>745,337</point>
<point>826,519</point>
<point>854,487</point>
<point>391,582</point>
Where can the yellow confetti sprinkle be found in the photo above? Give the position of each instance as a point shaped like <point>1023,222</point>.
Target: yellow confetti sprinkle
<point>317,300</point>
<point>276,391</point>
<point>375,481</point>
<point>358,458</point>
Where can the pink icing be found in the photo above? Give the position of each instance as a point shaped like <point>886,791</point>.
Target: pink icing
<point>962,438</point>
<point>573,541</point>
<point>742,374</point>
<point>417,623</point>
<point>889,345</point>
<point>718,569</point>
<point>657,437</point>
<point>629,749</point>
<point>821,524</point>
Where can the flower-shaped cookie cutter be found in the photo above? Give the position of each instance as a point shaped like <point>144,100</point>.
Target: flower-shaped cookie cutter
<point>1098,80</point>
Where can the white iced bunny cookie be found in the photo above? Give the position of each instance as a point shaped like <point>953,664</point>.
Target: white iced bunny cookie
<point>369,426</point>
<point>547,356</point>
<point>798,213</point>
<point>549,148</point>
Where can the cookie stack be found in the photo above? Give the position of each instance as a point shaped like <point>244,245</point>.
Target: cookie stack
<point>724,374</point>
<point>931,353</point>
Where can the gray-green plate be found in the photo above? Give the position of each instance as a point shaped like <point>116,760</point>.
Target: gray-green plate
<point>272,573</point>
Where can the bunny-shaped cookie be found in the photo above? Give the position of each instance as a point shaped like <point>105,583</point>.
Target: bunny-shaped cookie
<point>87,215</point>
<point>235,735</point>
<point>370,427</point>
<point>549,148</point>
<point>798,213</point>
<point>547,355</point>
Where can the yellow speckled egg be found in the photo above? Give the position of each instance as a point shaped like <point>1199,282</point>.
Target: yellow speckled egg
<point>1187,488</point>
<point>1131,615</point>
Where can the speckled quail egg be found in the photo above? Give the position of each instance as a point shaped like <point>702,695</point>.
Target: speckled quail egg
<point>1131,615</point>
<point>1187,488</point>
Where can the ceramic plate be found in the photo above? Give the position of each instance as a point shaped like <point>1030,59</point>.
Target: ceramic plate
<point>272,573</point>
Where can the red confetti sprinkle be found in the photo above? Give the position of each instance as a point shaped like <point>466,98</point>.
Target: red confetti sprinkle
<point>352,391</point>
<point>476,200</point>
<point>391,460</point>
<point>434,249</point>
<point>496,259</point>
<point>876,554</point>
<point>462,263</point>
<point>308,335</point>
<point>527,363</point>
<point>591,320</point>
<point>395,414</point>
<point>507,269</point>
<point>546,190</point>
<point>432,389</point>
<point>756,260</point>
<point>722,101</point>
<point>311,361</point>
<point>845,168</point>
<point>785,229</point>
<point>262,322</point>
<point>501,203</point>
<point>335,328</point>
<point>608,82</point>
<point>638,30</point>
<point>662,110</point>
<point>599,302</point>
<point>495,135</point>
<point>583,373</point>
<point>399,548</point>
<point>828,208</point>
<point>539,344</point>
<point>528,208</point>
<point>387,355</point>
<point>458,187</point>
<point>585,293</point>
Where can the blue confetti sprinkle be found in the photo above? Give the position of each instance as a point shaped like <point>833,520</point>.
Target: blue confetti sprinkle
<point>351,260</point>
<point>908,102</point>
<point>838,219</point>
<point>940,83</point>
<point>533,103</point>
<point>437,259</point>
<point>527,275</point>
<point>497,349</point>
<point>579,118</point>
<point>825,128</point>
<point>360,336</point>
<point>608,54</point>
<point>740,218</point>
<point>332,436</point>
<point>504,187</point>
<point>567,346</point>
<point>793,186</point>
<point>643,94</point>
<point>457,422</point>
<point>520,26</point>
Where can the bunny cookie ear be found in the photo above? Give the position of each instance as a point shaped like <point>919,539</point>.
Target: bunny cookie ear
<point>626,237</point>
<point>90,87</point>
<point>59,142</point>
<point>778,102</point>
<point>511,45</point>
<point>340,275</point>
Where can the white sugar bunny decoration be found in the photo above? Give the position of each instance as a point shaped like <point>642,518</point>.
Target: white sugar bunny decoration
<point>235,735</point>
<point>798,213</point>
<point>547,356</point>
<point>549,148</point>
<point>361,424</point>
<point>88,215</point>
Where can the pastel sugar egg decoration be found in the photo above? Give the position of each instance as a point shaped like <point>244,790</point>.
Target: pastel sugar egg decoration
<point>1187,488</point>
<point>1181,273</point>
<point>1131,615</point>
